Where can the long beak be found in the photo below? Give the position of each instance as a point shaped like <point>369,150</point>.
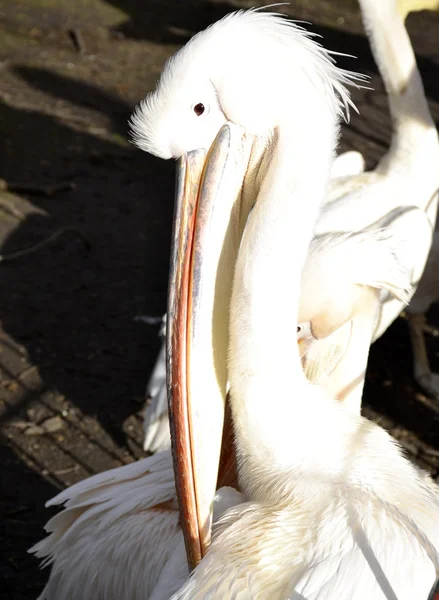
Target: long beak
<point>205,246</point>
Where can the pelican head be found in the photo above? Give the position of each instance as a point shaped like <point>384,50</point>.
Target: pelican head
<point>223,105</point>
<point>249,68</point>
<point>196,93</point>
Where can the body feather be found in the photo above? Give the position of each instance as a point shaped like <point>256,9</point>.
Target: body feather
<point>118,535</point>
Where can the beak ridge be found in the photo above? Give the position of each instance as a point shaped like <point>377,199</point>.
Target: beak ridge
<point>206,243</point>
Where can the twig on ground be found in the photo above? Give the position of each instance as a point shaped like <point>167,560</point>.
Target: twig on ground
<point>78,41</point>
<point>31,188</point>
<point>60,232</point>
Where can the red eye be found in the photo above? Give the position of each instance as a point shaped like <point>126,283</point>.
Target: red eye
<point>199,109</point>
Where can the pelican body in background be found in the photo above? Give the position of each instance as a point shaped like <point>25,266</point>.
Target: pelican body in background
<point>314,476</point>
<point>427,292</point>
<point>403,189</point>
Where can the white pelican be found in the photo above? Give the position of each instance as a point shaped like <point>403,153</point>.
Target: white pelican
<point>317,83</point>
<point>333,509</point>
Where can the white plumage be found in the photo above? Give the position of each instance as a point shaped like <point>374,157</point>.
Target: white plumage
<point>118,535</point>
<point>331,537</point>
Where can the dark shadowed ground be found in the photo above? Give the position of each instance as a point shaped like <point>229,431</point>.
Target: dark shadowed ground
<point>73,358</point>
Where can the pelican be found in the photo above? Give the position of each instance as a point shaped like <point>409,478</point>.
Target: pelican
<point>333,509</point>
<point>198,333</point>
<point>402,191</point>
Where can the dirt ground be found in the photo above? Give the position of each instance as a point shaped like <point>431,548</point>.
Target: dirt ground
<point>74,358</point>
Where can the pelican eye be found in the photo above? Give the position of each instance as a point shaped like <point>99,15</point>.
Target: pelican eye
<point>304,330</point>
<point>199,109</point>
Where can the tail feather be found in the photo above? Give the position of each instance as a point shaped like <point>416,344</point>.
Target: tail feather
<point>156,467</point>
<point>97,499</point>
